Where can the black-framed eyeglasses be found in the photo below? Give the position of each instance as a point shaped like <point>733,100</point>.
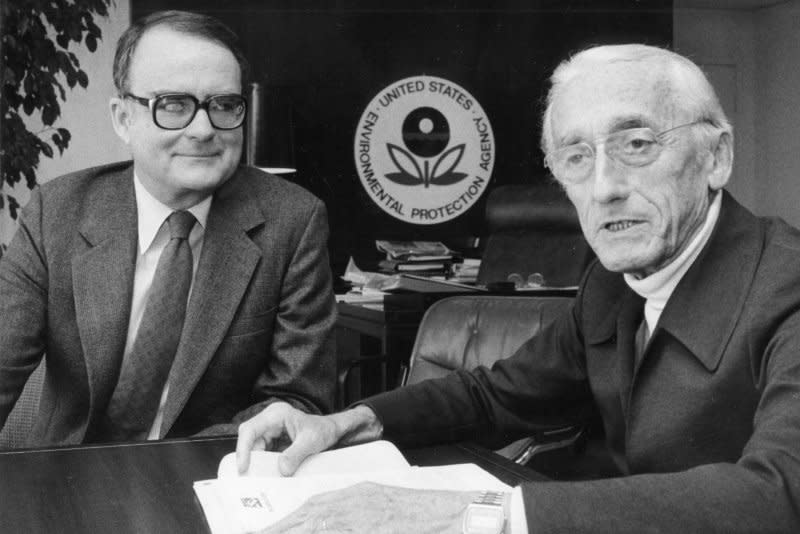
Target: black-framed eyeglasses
<point>175,111</point>
<point>635,147</point>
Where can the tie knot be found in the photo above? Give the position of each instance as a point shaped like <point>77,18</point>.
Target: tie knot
<point>180,224</point>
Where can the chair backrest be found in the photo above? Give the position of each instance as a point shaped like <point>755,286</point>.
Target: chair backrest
<point>472,330</point>
<point>533,229</point>
<point>19,423</point>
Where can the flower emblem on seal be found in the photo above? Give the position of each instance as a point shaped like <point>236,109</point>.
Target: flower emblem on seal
<point>426,135</point>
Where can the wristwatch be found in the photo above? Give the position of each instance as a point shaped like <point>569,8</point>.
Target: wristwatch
<point>486,514</point>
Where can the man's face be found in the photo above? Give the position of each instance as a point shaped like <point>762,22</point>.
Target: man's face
<point>179,167</point>
<point>636,219</point>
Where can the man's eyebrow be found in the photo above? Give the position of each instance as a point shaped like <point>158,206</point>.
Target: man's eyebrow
<point>628,123</point>
<point>623,123</point>
<point>569,140</point>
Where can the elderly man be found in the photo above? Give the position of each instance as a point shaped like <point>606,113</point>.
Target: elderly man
<point>685,336</point>
<point>177,294</point>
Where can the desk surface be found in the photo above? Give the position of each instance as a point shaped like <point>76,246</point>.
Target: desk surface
<point>147,487</point>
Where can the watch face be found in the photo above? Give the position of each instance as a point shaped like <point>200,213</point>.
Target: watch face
<point>485,515</point>
<point>482,519</point>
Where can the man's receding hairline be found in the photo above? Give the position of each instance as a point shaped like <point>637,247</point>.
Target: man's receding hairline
<point>166,27</point>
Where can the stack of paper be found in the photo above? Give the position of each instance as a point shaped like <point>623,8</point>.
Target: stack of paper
<point>236,504</point>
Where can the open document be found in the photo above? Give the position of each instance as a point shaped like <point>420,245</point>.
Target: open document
<point>236,504</point>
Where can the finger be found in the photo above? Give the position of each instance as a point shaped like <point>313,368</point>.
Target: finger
<point>300,449</point>
<point>244,444</point>
<point>251,437</point>
<point>259,432</point>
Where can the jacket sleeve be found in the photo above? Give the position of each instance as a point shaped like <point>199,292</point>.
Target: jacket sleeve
<point>302,365</point>
<point>543,385</point>
<point>23,305</point>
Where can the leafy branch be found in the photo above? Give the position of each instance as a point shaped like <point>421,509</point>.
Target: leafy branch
<point>36,35</point>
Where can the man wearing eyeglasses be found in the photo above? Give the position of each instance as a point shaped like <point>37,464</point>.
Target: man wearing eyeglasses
<point>180,293</point>
<point>684,336</point>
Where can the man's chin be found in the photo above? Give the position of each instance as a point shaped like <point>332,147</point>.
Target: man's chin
<point>201,176</point>
<point>625,264</point>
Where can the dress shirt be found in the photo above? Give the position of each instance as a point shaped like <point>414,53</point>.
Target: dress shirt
<point>153,237</point>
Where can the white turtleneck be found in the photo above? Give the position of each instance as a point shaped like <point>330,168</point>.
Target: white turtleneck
<point>658,287</point>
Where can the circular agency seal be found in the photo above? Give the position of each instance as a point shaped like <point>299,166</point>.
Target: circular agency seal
<point>424,150</point>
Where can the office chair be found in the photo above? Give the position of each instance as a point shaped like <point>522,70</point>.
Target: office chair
<point>468,331</point>
<point>533,235</point>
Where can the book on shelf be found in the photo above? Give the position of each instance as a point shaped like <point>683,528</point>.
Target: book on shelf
<point>235,504</point>
<point>415,250</point>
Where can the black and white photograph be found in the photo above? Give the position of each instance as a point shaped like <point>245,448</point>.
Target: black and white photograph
<point>384,266</point>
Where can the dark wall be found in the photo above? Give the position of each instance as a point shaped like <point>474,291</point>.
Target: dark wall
<point>334,57</point>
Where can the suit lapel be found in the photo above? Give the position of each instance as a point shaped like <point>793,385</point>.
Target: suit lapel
<point>226,266</point>
<point>705,307</point>
<point>102,278</point>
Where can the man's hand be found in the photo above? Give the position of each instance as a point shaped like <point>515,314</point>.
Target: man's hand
<point>377,509</point>
<point>282,427</point>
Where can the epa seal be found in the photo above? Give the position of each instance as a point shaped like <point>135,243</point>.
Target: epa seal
<point>424,150</point>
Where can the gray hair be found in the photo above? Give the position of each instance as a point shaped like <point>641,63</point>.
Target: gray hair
<point>686,87</point>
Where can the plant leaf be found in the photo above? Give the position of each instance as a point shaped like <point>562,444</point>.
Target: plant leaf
<point>447,161</point>
<point>47,150</point>
<point>404,161</point>
<point>403,178</point>
<point>65,135</point>
<point>13,206</point>
<point>449,179</point>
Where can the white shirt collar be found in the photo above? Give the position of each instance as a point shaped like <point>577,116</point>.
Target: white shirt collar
<point>152,213</point>
<point>658,287</point>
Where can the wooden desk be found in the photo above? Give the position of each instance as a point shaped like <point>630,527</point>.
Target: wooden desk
<point>383,331</point>
<point>147,487</point>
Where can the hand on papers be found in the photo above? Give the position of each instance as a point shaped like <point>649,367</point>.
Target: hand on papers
<point>376,508</point>
<point>281,426</point>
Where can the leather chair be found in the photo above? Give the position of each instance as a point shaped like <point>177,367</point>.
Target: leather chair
<point>468,331</point>
<point>19,423</point>
<point>533,229</point>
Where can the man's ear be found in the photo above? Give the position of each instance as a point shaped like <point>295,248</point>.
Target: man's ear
<point>120,117</point>
<point>721,162</point>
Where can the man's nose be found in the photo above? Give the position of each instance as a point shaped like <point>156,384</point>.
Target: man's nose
<point>610,178</point>
<point>201,126</point>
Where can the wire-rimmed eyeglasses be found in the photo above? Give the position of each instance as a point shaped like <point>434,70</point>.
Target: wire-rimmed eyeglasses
<point>634,147</point>
<point>175,111</point>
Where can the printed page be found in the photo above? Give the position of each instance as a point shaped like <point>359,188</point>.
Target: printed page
<point>374,456</point>
<point>247,504</point>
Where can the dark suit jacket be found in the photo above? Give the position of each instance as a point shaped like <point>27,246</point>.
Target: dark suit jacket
<point>705,429</point>
<point>258,324</point>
